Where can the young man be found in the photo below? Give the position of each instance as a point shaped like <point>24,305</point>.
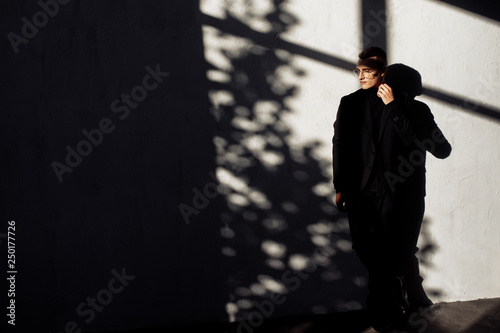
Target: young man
<point>379,145</point>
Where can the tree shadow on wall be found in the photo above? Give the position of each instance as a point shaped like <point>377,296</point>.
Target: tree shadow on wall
<point>286,248</point>
<point>427,249</point>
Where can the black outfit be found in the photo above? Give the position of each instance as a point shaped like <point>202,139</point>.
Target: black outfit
<point>379,165</point>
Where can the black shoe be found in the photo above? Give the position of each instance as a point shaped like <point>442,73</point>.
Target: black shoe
<point>388,310</point>
<point>399,295</point>
<point>417,296</point>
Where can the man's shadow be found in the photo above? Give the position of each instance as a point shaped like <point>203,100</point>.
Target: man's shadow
<point>406,84</point>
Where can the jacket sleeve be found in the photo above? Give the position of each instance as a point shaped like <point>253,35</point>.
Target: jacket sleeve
<point>429,135</point>
<point>340,142</point>
<point>415,124</point>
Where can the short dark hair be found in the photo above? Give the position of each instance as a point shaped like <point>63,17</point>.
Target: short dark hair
<point>374,51</point>
<point>378,53</point>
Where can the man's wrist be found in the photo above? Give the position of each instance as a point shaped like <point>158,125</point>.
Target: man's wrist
<point>392,106</point>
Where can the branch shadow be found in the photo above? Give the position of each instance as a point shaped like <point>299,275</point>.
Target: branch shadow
<point>282,234</point>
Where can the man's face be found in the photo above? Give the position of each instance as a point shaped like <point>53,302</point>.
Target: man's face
<point>369,77</point>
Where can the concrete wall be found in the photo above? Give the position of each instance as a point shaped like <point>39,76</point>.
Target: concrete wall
<point>459,56</point>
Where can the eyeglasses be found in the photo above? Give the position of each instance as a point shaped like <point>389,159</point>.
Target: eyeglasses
<point>367,73</point>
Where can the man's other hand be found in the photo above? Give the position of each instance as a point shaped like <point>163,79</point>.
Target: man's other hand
<point>340,202</point>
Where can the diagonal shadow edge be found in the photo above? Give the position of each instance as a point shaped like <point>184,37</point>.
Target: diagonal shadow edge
<point>466,104</point>
<point>485,8</point>
<point>236,28</point>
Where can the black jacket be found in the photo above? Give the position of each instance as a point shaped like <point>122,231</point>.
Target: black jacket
<point>406,131</point>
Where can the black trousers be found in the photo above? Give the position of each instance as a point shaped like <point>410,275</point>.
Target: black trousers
<point>384,231</point>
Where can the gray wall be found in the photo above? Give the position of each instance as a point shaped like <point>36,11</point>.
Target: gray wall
<point>118,207</point>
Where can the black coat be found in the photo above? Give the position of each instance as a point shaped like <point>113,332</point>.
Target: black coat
<point>407,131</point>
